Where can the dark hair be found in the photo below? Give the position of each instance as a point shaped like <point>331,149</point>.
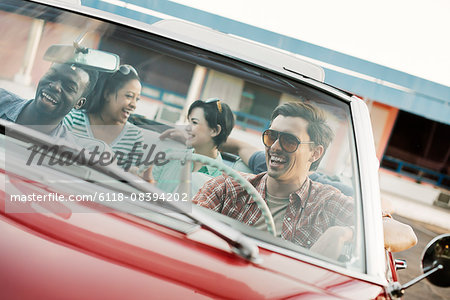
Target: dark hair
<point>318,130</point>
<point>109,83</point>
<point>214,117</point>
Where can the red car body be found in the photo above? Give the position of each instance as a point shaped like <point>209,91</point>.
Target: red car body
<point>115,256</point>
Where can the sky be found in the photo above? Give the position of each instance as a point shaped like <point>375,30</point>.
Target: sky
<point>412,36</point>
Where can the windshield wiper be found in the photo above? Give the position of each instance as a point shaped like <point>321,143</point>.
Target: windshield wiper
<point>240,244</point>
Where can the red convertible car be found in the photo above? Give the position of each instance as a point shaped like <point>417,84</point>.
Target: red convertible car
<point>77,230</point>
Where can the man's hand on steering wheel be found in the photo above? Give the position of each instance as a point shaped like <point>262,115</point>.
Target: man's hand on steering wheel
<point>331,242</point>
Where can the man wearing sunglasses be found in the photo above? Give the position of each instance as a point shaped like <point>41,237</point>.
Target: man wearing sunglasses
<point>255,160</point>
<point>295,143</point>
<point>305,212</point>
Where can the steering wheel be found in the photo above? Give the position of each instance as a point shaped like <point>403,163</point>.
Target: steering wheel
<point>250,189</point>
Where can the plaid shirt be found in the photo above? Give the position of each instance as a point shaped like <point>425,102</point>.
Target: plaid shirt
<point>311,211</point>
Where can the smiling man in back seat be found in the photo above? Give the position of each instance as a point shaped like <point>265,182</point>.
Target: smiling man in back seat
<point>62,88</point>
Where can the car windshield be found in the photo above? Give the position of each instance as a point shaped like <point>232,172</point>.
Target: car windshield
<point>72,138</point>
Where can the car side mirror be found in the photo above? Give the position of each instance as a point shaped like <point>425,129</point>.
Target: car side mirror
<point>83,57</point>
<point>435,266</point>
<point>438,253</point>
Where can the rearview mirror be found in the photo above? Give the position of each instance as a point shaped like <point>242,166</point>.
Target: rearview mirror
<point>84,57</point>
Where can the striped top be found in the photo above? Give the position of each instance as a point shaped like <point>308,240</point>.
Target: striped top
<point>77,121</point>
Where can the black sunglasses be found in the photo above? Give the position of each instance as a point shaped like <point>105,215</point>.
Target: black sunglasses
<point>288,142</point>
<point>217,101</point>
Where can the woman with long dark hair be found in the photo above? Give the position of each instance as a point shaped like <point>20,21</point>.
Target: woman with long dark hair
<point>106,117</point>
